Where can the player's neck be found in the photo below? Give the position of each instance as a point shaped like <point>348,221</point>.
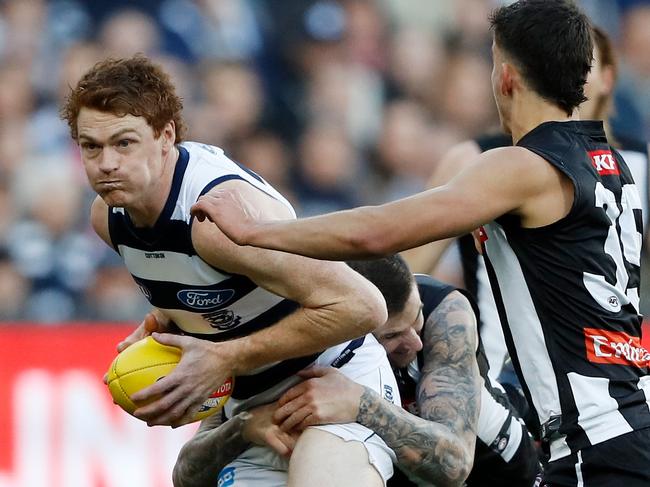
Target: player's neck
<point>146,212</point>
<point>531,111</point>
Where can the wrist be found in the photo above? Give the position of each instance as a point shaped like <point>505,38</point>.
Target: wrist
<point>232,354</point>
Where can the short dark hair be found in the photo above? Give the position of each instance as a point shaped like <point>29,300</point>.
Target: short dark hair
<point>391,275</point>
<point>550,42</point>
<point>133,86</point>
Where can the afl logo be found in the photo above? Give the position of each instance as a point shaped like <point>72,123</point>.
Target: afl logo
<point>205,299</point>
<point>145,291</point>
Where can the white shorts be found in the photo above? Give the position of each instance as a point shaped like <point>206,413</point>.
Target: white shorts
<point>261,466</point>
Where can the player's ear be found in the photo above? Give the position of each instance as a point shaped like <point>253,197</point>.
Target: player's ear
<point>169,135</point>
<point>508,79</point>
<point>608,74</point>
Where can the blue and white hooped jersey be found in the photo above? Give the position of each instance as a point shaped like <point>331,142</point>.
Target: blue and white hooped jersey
<point>202,300</point>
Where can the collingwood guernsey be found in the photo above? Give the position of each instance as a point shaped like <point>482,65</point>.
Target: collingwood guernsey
<point>568,295</point>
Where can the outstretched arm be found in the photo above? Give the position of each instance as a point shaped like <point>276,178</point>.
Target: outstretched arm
<point>438,446</point>
<point>497,182</point>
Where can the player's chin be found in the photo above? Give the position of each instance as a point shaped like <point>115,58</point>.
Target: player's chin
<point>401,360</point>
<point>115,198</point>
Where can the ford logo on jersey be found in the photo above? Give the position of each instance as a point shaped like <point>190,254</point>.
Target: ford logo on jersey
<point>202,299</point>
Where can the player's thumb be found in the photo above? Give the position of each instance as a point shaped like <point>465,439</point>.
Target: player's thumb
<point>312,372</point>
<point>150,323</point>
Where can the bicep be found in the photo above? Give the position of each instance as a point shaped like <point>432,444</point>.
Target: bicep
<point>449,388</point>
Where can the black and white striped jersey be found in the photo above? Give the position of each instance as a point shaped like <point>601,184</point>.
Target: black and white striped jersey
<point>568,294</point>
<point>202,300</point>
<point>500,432</point>
<point>475,275</point>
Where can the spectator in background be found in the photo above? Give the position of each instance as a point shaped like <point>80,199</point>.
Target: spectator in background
<point>635,43</point>
<point>327,169</point>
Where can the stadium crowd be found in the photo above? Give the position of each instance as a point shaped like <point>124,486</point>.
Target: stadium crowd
<point>335,103</point>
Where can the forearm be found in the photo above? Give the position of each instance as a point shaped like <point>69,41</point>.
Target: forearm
<point>425,449</point>
<point>367,232</point>
<point>342,235</point>
<point>303,333</point>
<point>204,456</point>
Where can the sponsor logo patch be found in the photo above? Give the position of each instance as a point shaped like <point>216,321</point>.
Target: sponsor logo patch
<point>223,319</point>
<point>604,162</point>
<point>226,477</point>
<point>205,299</point>
<point>615,347</point>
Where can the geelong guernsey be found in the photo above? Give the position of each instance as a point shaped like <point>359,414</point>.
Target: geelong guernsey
<point>202,300</point>
<point>568,295</point>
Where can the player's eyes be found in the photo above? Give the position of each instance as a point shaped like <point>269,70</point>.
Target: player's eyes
<point>124,143</point>
<point>390,336</point>
<point>89,147</point>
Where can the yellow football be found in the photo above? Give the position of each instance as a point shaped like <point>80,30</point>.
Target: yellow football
<point>146,362</point>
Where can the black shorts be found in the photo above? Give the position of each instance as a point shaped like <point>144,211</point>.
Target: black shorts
<point>623,461</point>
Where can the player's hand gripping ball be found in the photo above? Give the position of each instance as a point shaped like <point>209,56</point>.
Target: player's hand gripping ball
<point>144,363</point>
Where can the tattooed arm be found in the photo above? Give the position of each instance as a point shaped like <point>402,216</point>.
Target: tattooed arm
<point>215,445</point>
<point>438,447</point>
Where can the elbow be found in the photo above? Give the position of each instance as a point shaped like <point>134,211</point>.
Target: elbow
<point>185,471</point>
<point>460,465</point>
<point>369,310</point>
<point>374,244</point>
<point>371,240</point>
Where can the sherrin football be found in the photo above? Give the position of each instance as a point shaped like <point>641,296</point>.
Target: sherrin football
<point>144,363</point>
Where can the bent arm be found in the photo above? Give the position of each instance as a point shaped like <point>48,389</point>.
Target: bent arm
<point>437,447</point>
<point>336,303</point>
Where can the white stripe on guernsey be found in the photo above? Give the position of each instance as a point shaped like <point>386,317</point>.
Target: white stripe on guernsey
<point>491,417</point>
<point>581,482</point>
<point>524,324</point>
<point>637,162</point>
<point>175,267</point>
<point>494,344</point>
<point>630,237</point>
<point>644,384</point>
<point>246,309</point>
<point>598,413</point>
<point>515,431</point>
<point>559,449</point>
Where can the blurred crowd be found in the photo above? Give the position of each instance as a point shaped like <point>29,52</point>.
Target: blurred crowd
<point>336,103</point>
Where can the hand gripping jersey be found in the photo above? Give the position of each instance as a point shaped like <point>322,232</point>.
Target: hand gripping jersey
<point>505,453</point>
<point>202,300</point>
<point>568,295</point>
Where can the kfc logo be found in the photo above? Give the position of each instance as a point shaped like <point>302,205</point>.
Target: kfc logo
<point>604,162</point>
<point>615,347</point>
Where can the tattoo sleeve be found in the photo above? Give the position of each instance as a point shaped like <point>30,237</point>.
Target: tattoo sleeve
<point>438,446</point>
<point>209,451</point>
